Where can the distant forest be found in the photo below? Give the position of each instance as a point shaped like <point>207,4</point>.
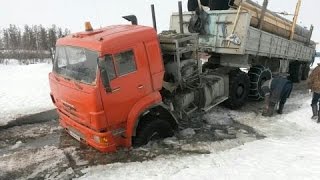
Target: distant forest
<point>30,43</point>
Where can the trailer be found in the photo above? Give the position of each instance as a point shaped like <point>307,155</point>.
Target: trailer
<point>231,40</point>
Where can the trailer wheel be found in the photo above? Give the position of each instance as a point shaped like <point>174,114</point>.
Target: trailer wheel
<point>238,89</point>
<point>305,71</point>
<point>295,71</point>
<point>258,75</point>
<point>152,130</point>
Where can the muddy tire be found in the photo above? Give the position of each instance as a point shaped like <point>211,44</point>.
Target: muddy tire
<point>155,129</point>
<point>296,72</point>
<point>258,75</point>
<point>305,71</point>
<point>238,89</point>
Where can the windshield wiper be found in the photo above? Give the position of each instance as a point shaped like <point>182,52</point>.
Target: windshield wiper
<point>68,79</point>
<point>78,85</point>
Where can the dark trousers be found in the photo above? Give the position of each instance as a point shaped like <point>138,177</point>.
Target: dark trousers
<point>286,91</point>
<point>315,99</point>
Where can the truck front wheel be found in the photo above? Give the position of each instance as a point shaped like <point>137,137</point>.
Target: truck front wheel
<point>152,130</point>
<point>238,89</point>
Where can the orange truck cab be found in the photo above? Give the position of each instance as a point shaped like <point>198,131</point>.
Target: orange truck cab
<point>104,112</point>
<point>126,85</point>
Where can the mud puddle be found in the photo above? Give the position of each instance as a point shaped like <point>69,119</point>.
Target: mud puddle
<point>29,148</point>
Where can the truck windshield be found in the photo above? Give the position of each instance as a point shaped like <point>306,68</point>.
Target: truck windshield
<point>76,63</point>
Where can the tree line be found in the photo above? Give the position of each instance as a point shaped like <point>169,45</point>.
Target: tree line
<point>30,42</point>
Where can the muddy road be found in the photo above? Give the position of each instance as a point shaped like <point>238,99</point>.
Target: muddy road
<point>43,150</point>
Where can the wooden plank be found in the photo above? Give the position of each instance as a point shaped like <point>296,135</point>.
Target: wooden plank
<point>273,23</point>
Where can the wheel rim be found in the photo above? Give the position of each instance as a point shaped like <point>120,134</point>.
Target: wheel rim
<point>240,91</point>
<point>154,136</point>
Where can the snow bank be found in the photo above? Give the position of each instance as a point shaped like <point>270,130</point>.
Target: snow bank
<point>291,151</point>
<point>267,159</point>
<point>24,90</point>
<point>316,61</point>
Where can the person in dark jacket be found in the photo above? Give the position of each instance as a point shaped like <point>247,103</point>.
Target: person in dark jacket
<point>276,90</point>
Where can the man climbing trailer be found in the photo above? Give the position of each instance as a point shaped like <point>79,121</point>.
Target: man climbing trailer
<point>276,91</point>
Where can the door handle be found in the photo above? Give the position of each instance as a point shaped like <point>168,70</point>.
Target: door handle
<point>115,89</point>
<point>140,86</point>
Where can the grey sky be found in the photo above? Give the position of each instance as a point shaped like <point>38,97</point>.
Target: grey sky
<point>73,14</point>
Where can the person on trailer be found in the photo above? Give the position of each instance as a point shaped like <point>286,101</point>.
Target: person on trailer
<point>314,85</point>
<point>276,90</point>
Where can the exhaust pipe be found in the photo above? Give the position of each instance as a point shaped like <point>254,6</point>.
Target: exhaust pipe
<point>154,20</point>
<point>180,17</point>
<point>132,18</point>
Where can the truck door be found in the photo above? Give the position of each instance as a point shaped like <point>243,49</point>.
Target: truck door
<point>130,81</point>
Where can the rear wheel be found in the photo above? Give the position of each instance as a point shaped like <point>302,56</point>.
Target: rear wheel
<point>305,71</point>
<point>238,89</point>
<point>295,71</point>
<point>152,130</point>
<point>258,75</point>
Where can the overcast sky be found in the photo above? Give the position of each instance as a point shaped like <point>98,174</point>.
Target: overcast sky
<point>73,13</point>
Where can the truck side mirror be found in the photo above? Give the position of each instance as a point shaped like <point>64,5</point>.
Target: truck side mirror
<point>104,74</point>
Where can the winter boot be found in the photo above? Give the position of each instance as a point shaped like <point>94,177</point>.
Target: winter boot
<point>267,103</point>
<point>269,110</point>
<point>314,112</point>
<point>280,110</point>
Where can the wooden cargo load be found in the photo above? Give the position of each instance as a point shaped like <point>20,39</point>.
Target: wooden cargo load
<point>272,22</point>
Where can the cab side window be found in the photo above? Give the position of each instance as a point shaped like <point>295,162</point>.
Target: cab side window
<point>125,63</point>
<point>120,64</point>
<point>110,68</point>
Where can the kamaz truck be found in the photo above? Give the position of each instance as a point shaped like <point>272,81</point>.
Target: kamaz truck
<point>124,85</point>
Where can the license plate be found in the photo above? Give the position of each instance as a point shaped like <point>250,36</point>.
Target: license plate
<point>74,135</point>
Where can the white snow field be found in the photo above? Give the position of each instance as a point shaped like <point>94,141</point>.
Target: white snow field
<point>24,89</point>
<point>290,151</point>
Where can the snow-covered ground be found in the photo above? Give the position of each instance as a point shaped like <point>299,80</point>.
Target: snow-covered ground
<point>24,90</point>
<point>290,151</point>
<point>316,61</point>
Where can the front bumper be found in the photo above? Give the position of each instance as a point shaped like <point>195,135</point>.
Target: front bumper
<point>104,142</point>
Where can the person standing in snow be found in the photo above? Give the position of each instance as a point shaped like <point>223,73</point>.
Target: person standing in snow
<point>314,85</point>
<point>276,90</point>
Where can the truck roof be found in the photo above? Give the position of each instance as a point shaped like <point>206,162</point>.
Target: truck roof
<point>109,38</point>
